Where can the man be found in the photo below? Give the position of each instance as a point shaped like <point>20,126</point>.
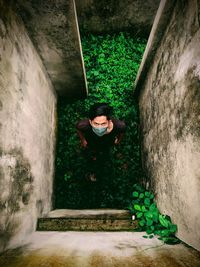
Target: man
<point>98,134</point>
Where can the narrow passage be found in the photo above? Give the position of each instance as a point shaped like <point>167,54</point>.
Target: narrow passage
<point>112,63</point>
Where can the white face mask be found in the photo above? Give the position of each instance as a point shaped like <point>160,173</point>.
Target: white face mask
<point>99,131</point>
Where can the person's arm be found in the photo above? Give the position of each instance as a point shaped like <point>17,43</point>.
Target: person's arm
<point>80,127</point>
<point>118,138</point>
<point>121,128</point>
<point>82,138</point>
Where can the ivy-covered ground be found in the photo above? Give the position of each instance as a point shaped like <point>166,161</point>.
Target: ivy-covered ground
<point>111,62</point>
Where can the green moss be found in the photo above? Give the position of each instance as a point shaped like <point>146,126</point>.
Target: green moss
<point>112,62</point>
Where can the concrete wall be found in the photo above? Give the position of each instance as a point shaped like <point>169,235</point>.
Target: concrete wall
<point>53,28</point>
<point>27,133</point>
<point>99,16</point>
<point>169,100</point>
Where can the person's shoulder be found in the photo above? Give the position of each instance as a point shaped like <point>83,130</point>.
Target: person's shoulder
<point>119,124</point>
<point>83,125</point>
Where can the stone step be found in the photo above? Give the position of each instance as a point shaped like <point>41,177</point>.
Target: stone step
<point>87,220</point>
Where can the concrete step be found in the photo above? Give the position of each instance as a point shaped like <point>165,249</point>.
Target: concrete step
<point>87,220</point>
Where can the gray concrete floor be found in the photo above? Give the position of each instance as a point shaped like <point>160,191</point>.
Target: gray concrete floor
<point>98,249</point>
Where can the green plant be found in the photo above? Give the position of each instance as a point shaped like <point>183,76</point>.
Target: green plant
<point>149,218</point>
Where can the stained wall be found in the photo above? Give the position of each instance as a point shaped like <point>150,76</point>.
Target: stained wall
<point>168,88</point>
<point>27,132</point>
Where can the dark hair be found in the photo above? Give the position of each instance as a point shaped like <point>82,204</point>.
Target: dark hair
<point>100,109</point>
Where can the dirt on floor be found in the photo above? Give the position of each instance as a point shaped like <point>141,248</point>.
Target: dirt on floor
<point>99,249</point>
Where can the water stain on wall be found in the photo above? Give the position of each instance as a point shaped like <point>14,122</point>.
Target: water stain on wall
<point>16,182</point>
<point>189,110</point>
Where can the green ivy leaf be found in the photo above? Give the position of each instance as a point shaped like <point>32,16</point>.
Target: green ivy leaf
<point>164,233</point>
<point>141,195</point>
<point>148,214</point>
<point>173,228</point>
<point>147,202</point>
<point>137,207</point>
<point>155,216</point>
<point>151,196</point>
<point>164,222</point>
<point>139,215</point>
<point>142,223</point>
<point>135,194</point>
<point>152,227</point>
<point>149,222</point>
<point>153,207</point>
<point>149,231</point>
<point>143,208</point>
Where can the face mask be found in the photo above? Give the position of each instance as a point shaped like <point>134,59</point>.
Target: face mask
<point>99,131</point>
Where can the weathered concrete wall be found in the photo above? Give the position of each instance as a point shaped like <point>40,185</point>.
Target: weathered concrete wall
<point>53,28</point>
<point>170,118</point>
<point>27,133</point>
<point>99,16</point>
